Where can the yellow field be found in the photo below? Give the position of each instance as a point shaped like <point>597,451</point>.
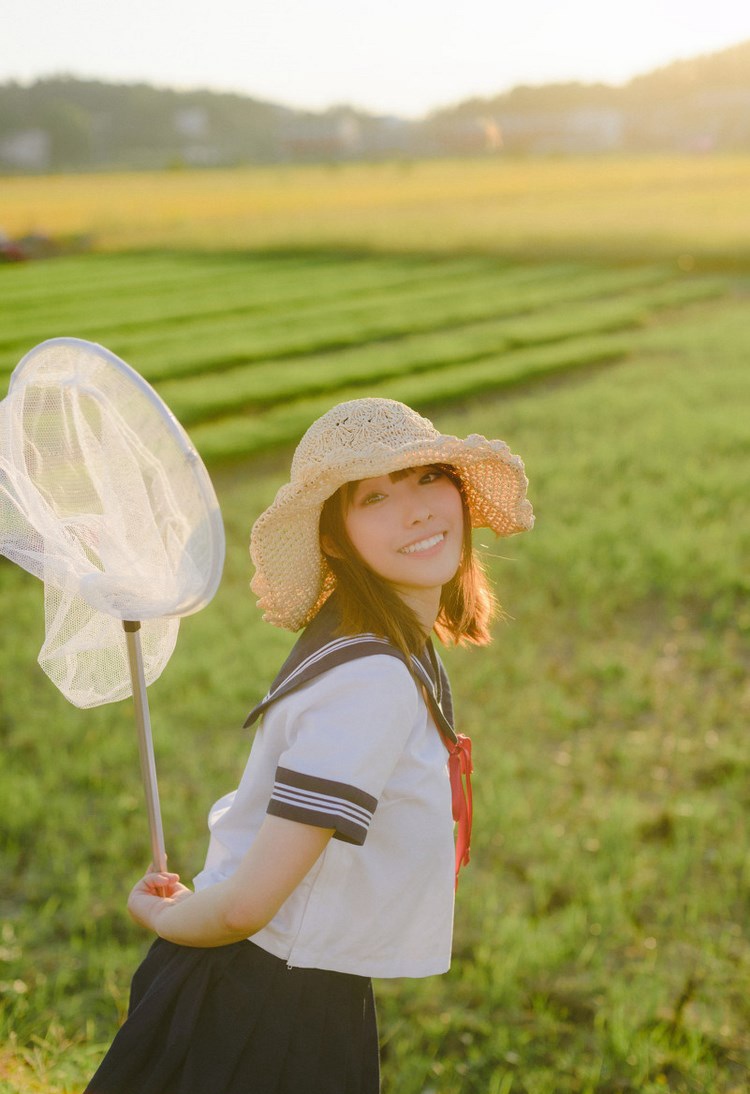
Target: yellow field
<point>613,207</point>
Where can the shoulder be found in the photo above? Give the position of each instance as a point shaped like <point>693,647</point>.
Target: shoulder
<point>371,674</point>
<point>376,685</point>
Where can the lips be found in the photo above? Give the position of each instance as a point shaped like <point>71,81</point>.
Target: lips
<point>422,545</point>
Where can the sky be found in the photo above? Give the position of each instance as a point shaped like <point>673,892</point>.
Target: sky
<point>403,57</point>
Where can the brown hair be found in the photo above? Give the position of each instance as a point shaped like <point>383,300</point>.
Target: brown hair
<point>369,604</point>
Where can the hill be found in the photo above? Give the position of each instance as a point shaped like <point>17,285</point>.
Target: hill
<point>696,105</point>
<point>64,123</point>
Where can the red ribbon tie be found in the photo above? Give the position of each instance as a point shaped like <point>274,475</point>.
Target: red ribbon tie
<point>459,769</point>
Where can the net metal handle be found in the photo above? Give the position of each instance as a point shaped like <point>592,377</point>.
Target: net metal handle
<point>145,743</point>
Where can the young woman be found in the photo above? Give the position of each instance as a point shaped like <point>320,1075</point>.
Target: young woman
<point>334,861</point>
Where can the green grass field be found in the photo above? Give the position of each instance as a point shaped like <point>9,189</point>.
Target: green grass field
<point>271,341</point>
<point>601,932</point>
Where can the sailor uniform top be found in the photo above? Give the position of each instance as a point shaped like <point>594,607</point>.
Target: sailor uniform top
<point>348,741</point>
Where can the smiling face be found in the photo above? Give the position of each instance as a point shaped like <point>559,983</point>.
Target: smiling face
<point>408,528</point>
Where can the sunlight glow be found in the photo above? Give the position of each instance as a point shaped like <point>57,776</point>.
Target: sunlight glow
<point>404,59</point>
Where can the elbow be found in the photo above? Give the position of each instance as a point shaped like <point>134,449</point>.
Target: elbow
<point>243,919</point>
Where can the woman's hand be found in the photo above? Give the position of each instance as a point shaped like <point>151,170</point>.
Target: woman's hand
<point>152,894</point>
<point>232,909</point>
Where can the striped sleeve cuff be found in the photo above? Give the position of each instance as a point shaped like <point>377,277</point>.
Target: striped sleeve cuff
<point>323,803</point>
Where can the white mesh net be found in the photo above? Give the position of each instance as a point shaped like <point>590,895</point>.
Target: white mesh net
<point>103,497</point>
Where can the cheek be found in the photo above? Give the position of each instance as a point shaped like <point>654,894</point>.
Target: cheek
<point>457,514</point>
<point>360,529</point>
<point>454,506</point>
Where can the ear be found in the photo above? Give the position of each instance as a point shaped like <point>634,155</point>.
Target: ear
<point>329,547</point>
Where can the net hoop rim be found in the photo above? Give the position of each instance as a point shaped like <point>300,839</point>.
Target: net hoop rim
<point>179,435</point>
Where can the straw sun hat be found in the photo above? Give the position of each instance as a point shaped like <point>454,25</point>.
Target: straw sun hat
<point>356,440</point>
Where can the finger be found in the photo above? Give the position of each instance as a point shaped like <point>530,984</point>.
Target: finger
<point>161,884</point>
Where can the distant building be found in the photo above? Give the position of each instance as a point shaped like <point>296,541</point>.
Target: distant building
<point>193,128</point>
<point>469,136</point>
<point>578,129</point>
<point>387,136</point>
<point>192,122</point>
<point>322,137</point>
<point>27,150</point>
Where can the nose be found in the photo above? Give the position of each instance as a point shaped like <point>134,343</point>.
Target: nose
<point>418,508</point>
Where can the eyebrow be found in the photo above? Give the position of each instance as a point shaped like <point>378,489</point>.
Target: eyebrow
<point>395,476</point>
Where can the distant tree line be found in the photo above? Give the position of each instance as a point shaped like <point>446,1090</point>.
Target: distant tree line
<point>89,123</point>
<point>64,123</point>
<point>700,104</point>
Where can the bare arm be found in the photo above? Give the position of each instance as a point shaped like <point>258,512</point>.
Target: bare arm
<point>282,854</point>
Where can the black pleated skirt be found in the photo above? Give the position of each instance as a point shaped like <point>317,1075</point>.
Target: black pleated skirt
<point>237,1020</point>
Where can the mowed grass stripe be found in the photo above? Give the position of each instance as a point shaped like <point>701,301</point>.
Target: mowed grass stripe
<point>480,325</point>
<point>61,280</point>
<point>236,295</point>
<point>239,436</point>
<point>411,369</point>
<point>159,315</point>
<point>250,387</point>
<point>211,286</point>
<point>218,347</point>
<point>340,297</point>
<point>347,309</point>
<point>101,297</point>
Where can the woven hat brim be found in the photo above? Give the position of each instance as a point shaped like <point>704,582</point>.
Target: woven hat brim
<point>292,578</point>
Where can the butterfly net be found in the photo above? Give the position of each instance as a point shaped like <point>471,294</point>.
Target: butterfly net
<point>103,497</point>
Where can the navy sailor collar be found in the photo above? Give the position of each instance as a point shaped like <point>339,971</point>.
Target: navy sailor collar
<point>319,648</point>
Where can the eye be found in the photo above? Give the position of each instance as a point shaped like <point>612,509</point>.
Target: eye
<point>368,499</point>
<point>430,476</point>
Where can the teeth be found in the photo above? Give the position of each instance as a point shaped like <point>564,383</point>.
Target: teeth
<point>424,544</point>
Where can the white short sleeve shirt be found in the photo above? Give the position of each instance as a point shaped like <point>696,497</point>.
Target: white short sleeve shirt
<point>354,749</point>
